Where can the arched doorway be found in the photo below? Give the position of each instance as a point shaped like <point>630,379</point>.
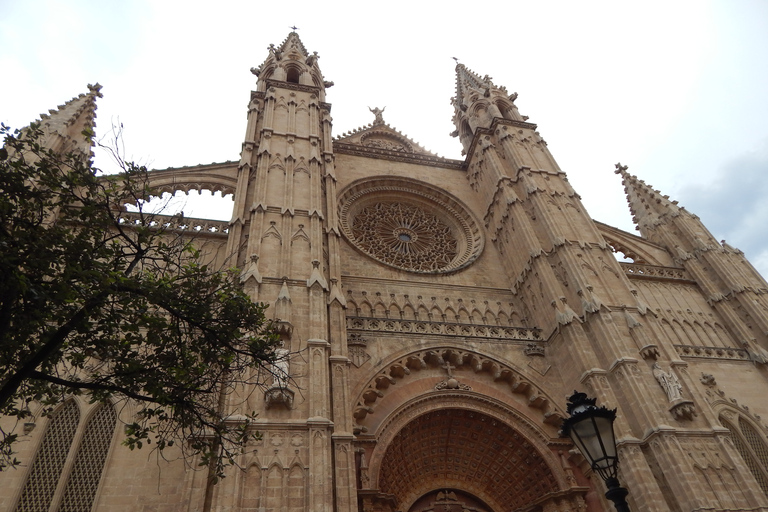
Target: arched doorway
<point>480,460</point>
<point>449,500</point>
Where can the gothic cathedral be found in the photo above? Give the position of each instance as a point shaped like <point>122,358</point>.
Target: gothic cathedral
<point>436,314</point>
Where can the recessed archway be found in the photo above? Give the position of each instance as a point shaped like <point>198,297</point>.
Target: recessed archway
<point>469,452</point>
<point>449,500</point>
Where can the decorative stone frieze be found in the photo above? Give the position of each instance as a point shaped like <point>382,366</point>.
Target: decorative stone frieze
<point>712,352</point>
<point>443,328</point>
<point>655,272</point>
<point>195,227</point>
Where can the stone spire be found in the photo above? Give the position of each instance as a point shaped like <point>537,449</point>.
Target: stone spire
<point>648,206</point>
<point>70,126</point>
<point>729,282</point>
<point>291,62</point>
<point>478,102</point>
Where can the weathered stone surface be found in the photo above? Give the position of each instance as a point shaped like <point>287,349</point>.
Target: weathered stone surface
<point>436,313</point>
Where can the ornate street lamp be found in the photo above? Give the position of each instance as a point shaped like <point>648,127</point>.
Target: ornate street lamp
<point>591,430</point>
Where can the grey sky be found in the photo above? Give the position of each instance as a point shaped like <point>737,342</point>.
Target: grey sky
<point>674,89</point>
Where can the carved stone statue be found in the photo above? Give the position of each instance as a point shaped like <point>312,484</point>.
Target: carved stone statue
<point>378,113</point>
<point>280,367</point>
<point>668,382</point>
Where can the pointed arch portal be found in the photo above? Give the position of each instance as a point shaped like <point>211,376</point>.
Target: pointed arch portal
<point>485,463</point>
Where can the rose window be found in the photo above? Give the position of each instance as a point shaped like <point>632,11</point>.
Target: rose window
<point>422,231</point>
<point>405,236</point>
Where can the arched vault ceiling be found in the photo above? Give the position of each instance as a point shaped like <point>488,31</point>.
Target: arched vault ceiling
<point>468,450</point>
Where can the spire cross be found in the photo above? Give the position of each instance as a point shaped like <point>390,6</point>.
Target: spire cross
<point>448,368</point>
<point>294,28</point>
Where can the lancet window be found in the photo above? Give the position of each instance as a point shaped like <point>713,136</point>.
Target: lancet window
<point>50,471</point>
<point>751,444</point>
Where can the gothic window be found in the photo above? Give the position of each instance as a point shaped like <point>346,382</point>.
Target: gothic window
<point>752,447</point>
<point>49,461</point>
<point>89,461</point>
<point>292,75</point>
<point>80,483</point>
<point>409,227</point>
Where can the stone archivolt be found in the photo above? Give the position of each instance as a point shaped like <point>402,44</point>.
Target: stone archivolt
<point>465,441</point>
<point>438,357</point>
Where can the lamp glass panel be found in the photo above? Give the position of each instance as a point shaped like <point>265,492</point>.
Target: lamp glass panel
<point>594,436</point>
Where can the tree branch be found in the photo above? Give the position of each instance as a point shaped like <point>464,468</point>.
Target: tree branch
<point>36,375</point>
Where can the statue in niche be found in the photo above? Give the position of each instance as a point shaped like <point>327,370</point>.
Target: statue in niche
<point>280,367</point>
<point>279,393</point>
<point>669,382</point>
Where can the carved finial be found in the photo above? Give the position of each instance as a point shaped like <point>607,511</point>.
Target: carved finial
<point>315,263</point>
<point>620,168</point>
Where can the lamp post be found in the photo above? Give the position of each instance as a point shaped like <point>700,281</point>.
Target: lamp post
<point>591,430</point>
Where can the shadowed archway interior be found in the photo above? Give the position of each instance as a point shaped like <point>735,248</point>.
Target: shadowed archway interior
<point>468,451</point>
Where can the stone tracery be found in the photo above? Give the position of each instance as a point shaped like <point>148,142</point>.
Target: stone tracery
<point>405,236</point>
<point>409,226</point>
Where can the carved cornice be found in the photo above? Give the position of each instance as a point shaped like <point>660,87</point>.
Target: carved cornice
<point>496,332</point>
<point>292,86</point>
<point>396,156</point>
<point>723,353</point>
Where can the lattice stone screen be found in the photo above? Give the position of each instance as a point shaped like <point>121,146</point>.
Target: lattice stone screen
<point>89,463</point>
<point>46,469</point>
<point>757,460</point>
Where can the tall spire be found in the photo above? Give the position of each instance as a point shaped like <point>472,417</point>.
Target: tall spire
<point>291,62</point>
<point>648,206</point>
<point>70,126</point>
<point>477,102</point>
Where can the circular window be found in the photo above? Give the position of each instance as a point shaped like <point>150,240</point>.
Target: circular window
<point>409,226</point>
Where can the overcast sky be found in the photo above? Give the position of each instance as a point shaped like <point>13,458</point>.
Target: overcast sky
<point>677,90</point>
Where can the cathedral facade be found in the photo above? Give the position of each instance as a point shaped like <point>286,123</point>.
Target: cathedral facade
<point>435,315</point>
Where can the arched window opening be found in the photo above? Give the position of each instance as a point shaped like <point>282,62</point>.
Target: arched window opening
<point>89,462</point>
<point>292,75</point>
<point>45,473</point>
<point>752,448</point>
<point>78,486</point>
<point>466,131</point>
